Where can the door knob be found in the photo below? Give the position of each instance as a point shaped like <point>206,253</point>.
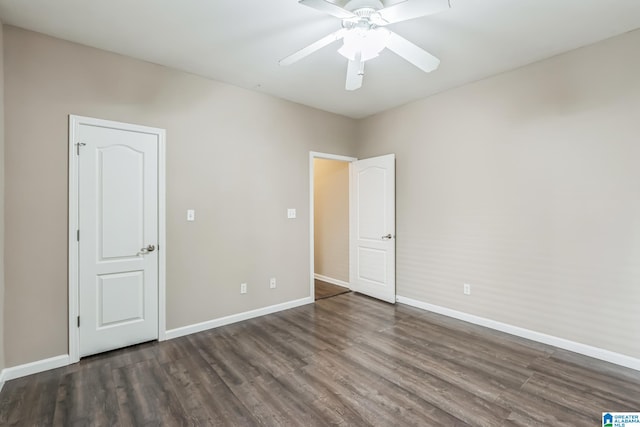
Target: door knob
<point>148,249</point>
<point>387,237</point>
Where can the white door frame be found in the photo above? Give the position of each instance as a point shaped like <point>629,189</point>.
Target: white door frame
<point>315,155</point>
<point>74,123</point>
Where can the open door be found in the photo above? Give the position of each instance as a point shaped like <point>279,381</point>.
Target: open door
<point>372,225</point>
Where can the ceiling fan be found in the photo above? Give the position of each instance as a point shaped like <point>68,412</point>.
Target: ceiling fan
<point>364,34</point>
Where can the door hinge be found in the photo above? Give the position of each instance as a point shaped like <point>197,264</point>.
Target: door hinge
<point>78,145</point>
<point>78,321</point>
<point>78,235</point>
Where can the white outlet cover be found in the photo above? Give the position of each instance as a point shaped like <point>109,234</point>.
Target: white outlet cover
<point>291,213</point>
<point>272,283</point>
<point>191,215</point>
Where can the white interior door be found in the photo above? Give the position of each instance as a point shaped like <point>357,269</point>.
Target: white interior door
<point>118,236</point>
<point>372,225</point>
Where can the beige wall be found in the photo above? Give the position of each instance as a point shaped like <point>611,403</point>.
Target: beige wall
<point>239,158</point>
<point>526,186</point>
<point>2,364</point>
<point>331,218</point>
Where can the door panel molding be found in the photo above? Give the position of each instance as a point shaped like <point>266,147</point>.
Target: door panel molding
<point>75,146</point>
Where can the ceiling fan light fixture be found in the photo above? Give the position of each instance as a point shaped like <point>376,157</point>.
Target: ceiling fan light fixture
<point>364,34</point>
<point>369,42</point>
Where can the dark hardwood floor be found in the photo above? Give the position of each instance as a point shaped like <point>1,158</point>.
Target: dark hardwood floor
<point>328,290</point>
<point>347,360</point>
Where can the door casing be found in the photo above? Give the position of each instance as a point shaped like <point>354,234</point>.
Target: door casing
<point>73,286</point>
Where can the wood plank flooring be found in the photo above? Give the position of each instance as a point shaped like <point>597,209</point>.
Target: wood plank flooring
<point>328,290</point>
<point>347,360</point>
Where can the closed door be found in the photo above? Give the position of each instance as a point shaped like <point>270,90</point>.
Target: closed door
<point>118,236</point>
<point>372,227</point>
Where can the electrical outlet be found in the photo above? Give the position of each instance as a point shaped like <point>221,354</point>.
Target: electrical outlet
<point>467,289</point>
<point>272,283</point>
<point>243,288</point>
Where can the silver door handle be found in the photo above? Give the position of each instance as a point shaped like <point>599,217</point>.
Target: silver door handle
<point>148,249</point>
<point>387,237</point>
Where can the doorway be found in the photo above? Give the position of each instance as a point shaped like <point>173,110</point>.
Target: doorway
<point>352,224</point>
<point>116,241</point>
<point>331,227</point>
<point>329,212</point>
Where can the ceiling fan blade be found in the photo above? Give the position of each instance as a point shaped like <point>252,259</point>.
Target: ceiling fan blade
<point>306,51</point>
<point>412,53</point>
<point>328,7</point>
<point>355,73</point>
<point>411,9</point>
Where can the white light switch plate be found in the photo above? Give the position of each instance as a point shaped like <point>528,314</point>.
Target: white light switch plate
<point>191,215</point>
<point>291,213</point>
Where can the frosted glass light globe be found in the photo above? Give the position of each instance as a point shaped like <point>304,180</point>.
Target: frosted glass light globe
<point>369,42</point>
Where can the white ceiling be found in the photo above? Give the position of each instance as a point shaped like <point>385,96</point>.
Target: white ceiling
<point>241,41</point>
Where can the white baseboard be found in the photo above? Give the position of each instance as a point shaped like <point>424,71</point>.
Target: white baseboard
<point>587,350</point>
<point>332,281</point>
<point>34,367</point>
<point>1,379</point>
<point>222,321</point>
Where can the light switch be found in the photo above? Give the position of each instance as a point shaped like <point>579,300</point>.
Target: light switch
<point>291,213</point>
<point>191,215</point>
